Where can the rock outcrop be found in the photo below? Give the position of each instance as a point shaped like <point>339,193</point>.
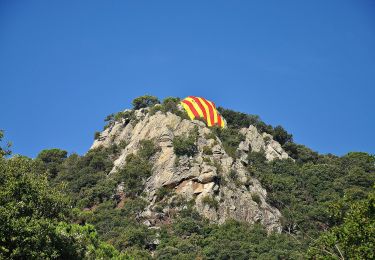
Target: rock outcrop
<point>219,185</point>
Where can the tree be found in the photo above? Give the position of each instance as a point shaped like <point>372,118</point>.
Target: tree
<point>185,145</point>
<point>29,209</point>
<point>145,101</point>
<point>281,135</point>
<point>35,218</point>
<point>354,238</point>
<point>4,151</point>
<point>52,159</point>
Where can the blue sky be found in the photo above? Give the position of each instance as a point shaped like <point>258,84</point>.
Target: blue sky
<point>306,65</point>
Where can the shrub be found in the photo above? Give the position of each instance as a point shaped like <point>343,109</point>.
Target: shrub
<point>232,174</point>
<point>207,150</point>
<point>255,197</point>
<point>210,135</point>
<point>145,101</point>
<point>148,149</point>
<point>230,138</point>
<point>4,151</point>
<point>185,145</point>
<point>96,135</point>
<point>301,153</point>
<point>135,172</point>
<point>210,201</point>
<point>163,192</point>
<point>281,136</point>
<point>257,158</point>
<point>127,115</point>
<point>52,159</point>
<point>155,109</point>
<point>170,105</point>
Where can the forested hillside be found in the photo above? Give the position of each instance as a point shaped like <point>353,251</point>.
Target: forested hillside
<point>70,206</point>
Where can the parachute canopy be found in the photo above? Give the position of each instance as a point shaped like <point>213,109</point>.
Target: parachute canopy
<point>197,107</point>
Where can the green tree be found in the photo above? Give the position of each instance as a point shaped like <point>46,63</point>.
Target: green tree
<point>186,145</point>
<point>32,214</point>
<point>354,238</point>
<point>145,101</point>
<point>281,135</point>
<point>52,159</point>
<point>5,150</point>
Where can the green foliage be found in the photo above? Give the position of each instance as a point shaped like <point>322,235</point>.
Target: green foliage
<point>232,175</point>
<point>301,153</point>
<point>257,159</point>
<point>238,120</point>
<point>282,136</point>
<point>230,138</point>
<point>80,242</point>
<point>207,150</point>
<point>170,104</point>
<point>163,192</point>
<point>52,159</point>
<point>34,217</point>
<point>355,237</point>
<point>145,101</point>
<point>85,177</point>
<point>96,135</point>
<point>137,169</point>
<point>255,197</point>
<point>210,135</point>
<point>4,151</point>
<point>303,191</point>
<point>155,109</point>
<point>148,149</point>
<point>126,115</point>
<point>191,237</point>
<point>186,145</point>
<point>134,174</point>
<point>121,227</point>
<point>327,202</point>
<point>210,201</point>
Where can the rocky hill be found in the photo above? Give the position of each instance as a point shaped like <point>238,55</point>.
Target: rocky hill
<point>205,177</point>
<point>157,185</point>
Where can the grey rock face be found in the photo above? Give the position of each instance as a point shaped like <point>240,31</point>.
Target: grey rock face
<point>256,142</point>
<point>200,178</point>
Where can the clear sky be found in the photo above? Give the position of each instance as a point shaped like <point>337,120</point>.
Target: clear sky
<point>306,65</point>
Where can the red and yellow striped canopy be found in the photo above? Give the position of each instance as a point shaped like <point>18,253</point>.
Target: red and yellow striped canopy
<point>198,107</point>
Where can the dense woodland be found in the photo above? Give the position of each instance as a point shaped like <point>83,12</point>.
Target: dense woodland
<point>63,206</point>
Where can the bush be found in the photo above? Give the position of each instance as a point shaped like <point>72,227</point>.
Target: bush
<point>281,136</point>
<point>155,109</point>
<point>211,202</point>
<point>207,150</point>
<point>148,149</point>
<point>301,153</point>
<point>52,159</point>
<point>170,104</point>
<point>127,115</point>
<point>145,101</point>
<point>255,197</point>
<point>230,138</point>
<point>96,135</point>
<point>233,174</point>
<point>4,151</point>
<point>135,172</point>
<point>163,192</point>
<point>185,145</point>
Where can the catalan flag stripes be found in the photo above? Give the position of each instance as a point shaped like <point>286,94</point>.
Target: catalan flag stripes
<point>197,107</point>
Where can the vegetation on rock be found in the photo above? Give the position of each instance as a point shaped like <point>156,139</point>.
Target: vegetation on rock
<point>186,145</point>
<point>75,207</point>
